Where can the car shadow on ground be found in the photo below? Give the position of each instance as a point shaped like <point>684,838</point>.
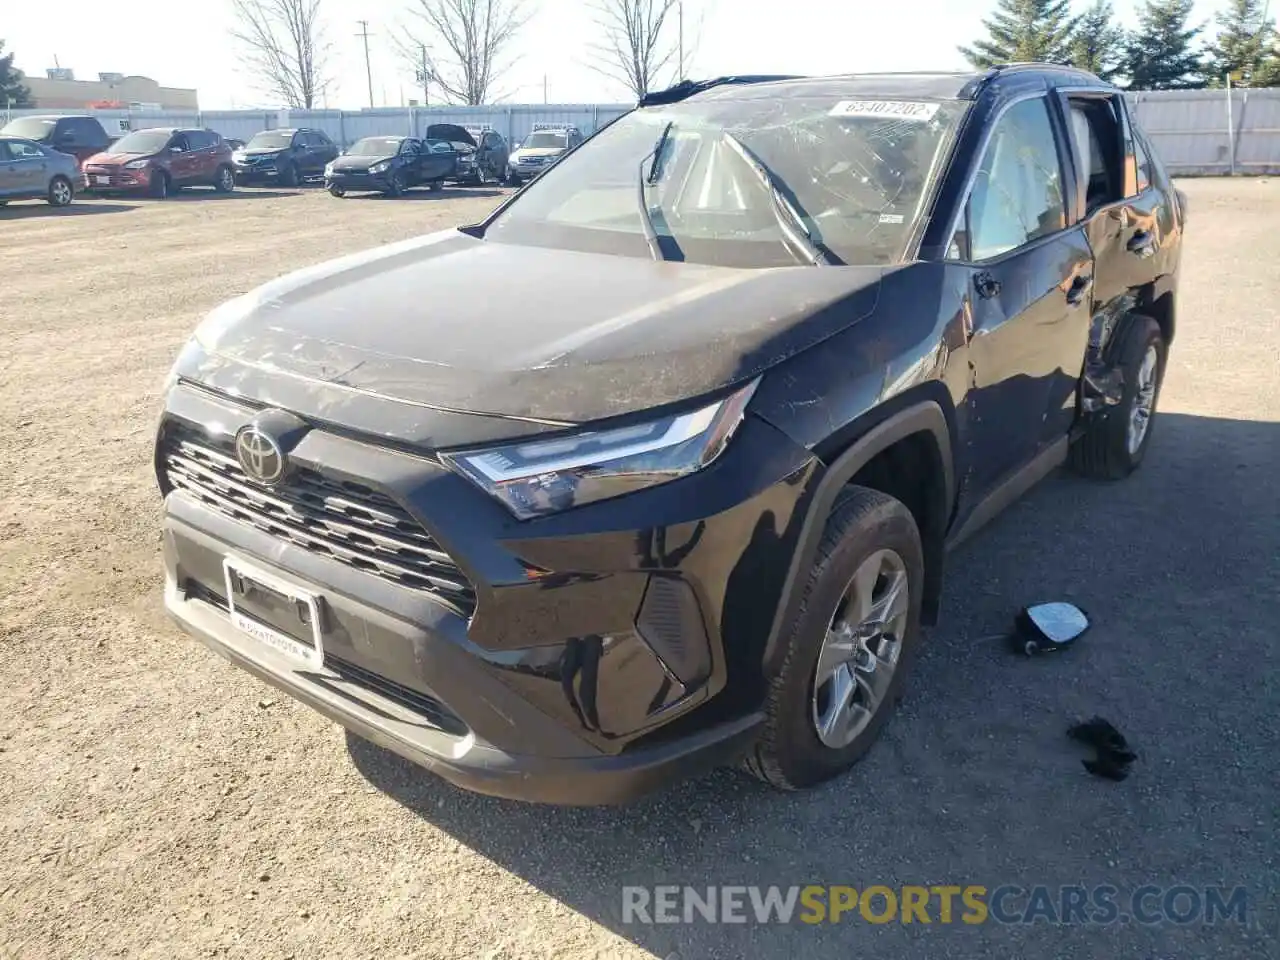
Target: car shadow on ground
<point>193,194</point>
<point>974,780</point>
<point>80,207</point>
<point>422,193</point>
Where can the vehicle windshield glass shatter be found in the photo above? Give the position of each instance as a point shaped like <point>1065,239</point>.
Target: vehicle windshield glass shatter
<point>542,141</point>
<point>142,141</point>
<point>731,182</point>
<point>36,128</point>
<point>375,147</point>
<point>270,140</point>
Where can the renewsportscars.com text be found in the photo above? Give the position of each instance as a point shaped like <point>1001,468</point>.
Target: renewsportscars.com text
<point>944,904</point>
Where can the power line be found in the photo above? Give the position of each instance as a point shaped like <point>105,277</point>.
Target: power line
<point>368,70</point>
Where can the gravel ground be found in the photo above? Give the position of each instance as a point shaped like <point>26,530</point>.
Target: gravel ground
<point>156,802</point>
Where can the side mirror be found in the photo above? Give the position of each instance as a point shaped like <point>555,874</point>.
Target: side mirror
<point>175,150</point>
<point>1044,627</point>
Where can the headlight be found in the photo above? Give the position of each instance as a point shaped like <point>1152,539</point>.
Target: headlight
<point>136,164</point>
<point>546,476</point>
<point>239,156</point>
<point>328,169</point>
<point>381,166</point>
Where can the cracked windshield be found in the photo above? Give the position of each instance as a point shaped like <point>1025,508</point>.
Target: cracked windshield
<point>746,183</point>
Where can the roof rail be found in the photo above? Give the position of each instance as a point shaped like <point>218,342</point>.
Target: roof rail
<point>687,88</point>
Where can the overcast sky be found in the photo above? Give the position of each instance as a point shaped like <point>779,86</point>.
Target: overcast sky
<point>157,39</point>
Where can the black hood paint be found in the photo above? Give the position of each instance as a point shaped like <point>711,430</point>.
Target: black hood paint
<point>447,324</point>
<point>450,132</point>
<point>358,163</point>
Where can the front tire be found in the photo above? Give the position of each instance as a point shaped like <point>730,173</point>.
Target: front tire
<point>1115,441</point>
<point>289,176</point>
<point>61,192</point>
<point>849,646</point>
<point>397,185</point>
<point>161,185</point>
<point>337,191</point>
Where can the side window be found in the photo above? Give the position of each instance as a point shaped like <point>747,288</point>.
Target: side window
<point>4,152</point>
<point>22,150</point>
<point>196,140</point>
<point>1016,195</point>
<point>1099,151</point>
<point>68,132</point>
<point>87,131</point>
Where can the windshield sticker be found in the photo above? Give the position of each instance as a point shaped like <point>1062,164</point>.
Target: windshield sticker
<point>891,218</point>
<point>886,109</point>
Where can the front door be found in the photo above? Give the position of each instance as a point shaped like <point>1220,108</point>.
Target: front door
<point>1028,296</point>
<point>182,160</point>
<point>27,173</point>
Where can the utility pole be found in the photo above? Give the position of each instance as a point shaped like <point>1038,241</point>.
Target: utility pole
<point>424,75</point>
<point>545,87</point>
<point>368,70</point>
<point>680,12</point>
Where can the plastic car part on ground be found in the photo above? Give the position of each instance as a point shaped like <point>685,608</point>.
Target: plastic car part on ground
<point>1112,753</point>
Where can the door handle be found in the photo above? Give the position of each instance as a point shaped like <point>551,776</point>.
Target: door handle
<point>1142,243</point>
<point>1079,287</point>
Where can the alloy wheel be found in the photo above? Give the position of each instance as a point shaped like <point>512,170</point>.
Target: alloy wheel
<point>61,192</point>
<point>1144,399</point>
<point>861,651</point>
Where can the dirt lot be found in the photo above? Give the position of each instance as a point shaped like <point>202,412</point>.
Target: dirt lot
<point>156,802</point>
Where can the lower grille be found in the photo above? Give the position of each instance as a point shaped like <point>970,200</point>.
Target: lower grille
<point>423,704</point>
<point>347,521</point>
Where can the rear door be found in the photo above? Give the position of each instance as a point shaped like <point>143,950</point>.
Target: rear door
<point>1027,300</point>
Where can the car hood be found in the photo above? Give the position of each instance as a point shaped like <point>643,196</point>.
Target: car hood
<point>117,158</point>
<point>451,323</point>
<point>358,163</point>
<point>538,152</point>
<point>262,152</point>
<point>451,132</point>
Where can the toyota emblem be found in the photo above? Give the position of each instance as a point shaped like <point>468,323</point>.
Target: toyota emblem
<point>260,455</point>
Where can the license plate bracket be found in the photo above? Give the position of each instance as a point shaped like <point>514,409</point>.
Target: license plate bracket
<point>102,181</point>
<point>274,612</point>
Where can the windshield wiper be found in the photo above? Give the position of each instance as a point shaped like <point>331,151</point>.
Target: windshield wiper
<point>792,224</point>
<point>645,181</point>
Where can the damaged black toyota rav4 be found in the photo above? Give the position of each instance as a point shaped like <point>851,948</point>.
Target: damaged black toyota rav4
<point>677,488</point>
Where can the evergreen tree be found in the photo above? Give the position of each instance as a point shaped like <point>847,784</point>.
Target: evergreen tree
<point>1099,42</point>
<point>1161,54</point>
<point>12,91</point>
<point>1246,43</point>
<point>1023,30</point>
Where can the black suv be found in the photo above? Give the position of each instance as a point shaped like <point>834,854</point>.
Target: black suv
<point>286,157</point>
<point>80,136</point>
<point>565,548</point>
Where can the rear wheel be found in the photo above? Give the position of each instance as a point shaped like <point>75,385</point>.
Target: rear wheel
<point>1115,441</point>
<point>225,180</point>
<point>849,646</point>
<point>61,192</point>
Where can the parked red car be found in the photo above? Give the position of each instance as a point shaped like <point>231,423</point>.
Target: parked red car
<point>161,161</point>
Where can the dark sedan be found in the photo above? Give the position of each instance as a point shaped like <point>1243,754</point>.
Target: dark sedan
<point>391,165</point>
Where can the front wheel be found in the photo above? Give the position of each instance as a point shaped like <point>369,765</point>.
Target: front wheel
<point>1115,441</point>
<point>289,176</point>
<point>849,646</point>
<point>337,191</point>
<point>397,185</point>
<point>61,192</point>
<point>161,185</point>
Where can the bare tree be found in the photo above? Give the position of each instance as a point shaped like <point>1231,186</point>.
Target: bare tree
<point>284,43</point>
<point>473,41</point>
<point>638,43</point>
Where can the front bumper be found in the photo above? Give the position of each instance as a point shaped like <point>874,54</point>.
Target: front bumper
<point>379,182</point>
<point>103,181</point>
<point>248,173</point>
<point>593,665</point>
